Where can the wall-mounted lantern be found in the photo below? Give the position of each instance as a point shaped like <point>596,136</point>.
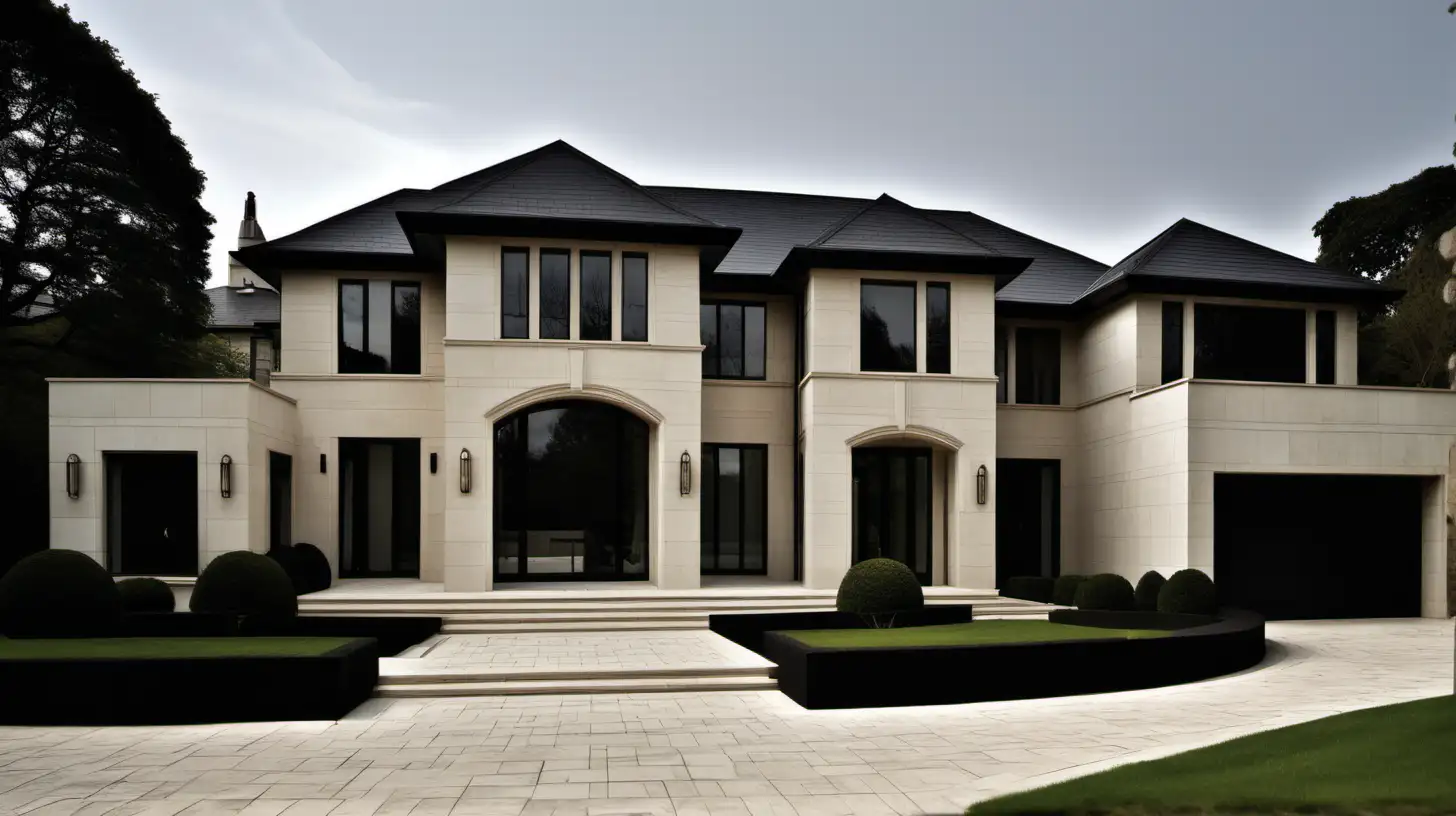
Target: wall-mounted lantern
<point>464,470</point>
<point>73,476</point>
<point>685,474</point>
<point>225,476</point>
<point>982,477</point>
<point>323,463</point>
<point>434,462</point>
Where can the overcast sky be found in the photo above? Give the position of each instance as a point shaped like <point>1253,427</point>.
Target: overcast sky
<point>1092,125</point>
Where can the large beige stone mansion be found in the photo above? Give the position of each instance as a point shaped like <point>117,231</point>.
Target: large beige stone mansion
<point>545,371</point>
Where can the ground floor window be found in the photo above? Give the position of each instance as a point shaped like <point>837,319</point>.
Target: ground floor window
<point>379,508</point>
<point>892,506</point>
<point>571,493</point>
<point>151,513</point>
<point>734,509</point>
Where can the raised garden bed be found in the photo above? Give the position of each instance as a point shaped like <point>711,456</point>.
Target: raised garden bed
<point>748,630</point>
<point>394,634</point>
<point>154,681</point>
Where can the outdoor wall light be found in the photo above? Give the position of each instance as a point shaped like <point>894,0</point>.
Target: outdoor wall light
<point>464,470</point>
<point>685,474</point>
<point>225,476</point>
<point>981,478</point>
<point>73,476</point>
<point>434,462</point>
<point>323,463</point>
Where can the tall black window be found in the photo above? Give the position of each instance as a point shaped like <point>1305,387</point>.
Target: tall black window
<point>733,336</point>
<point>1324,348</point>
<point>596,296</point>
<point>555,294</point>
<point>1039,366</point>
<point>735,508</point>
<point>886,326</point>
<point>634,296</point>
<point>1172,340</point>
<point>379,327</point>
<point>1002,387</point>
<point>515,293</point>
<point>937,328</point>
<point>1252,343</point>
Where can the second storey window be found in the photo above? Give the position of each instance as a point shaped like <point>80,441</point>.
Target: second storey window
<point>515,293</point>
<point>1038,366</point>
<point>1172,340</point>
<point>886,326</point>
<point>596,296</point>
<point>733,336</point>
<point>1255,343</point>
<point>634,297</point>
<point>1324,347</point>
<point>555,294</point>
<point>379,327</point>
<point>937,328</point>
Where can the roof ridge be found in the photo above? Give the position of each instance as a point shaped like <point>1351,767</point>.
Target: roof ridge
<point>677,187</point>
<point>929,216</point>
<point>1143,253</point>
<point>848,219</point>
<point>1264,248</point>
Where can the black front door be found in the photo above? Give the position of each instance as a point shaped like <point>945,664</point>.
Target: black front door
<point>892,517</point>
<point>151,513</point>
<point>1028,518</point>
<point>280,500</point>
<point>379,508</point>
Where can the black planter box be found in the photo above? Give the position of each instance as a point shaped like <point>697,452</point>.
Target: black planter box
<point>394,634</point>
<point>936,675</point>
<point>111,691</point>
<point>748,630</point>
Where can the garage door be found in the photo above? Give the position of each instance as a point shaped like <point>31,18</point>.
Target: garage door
<point>1318,546</point>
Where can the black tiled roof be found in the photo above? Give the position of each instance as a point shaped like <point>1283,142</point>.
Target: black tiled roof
<point>888,225</point>
<point>1057,276</point>
<point>232,309</point>
<point>772,223</point>
<point>369,227</point>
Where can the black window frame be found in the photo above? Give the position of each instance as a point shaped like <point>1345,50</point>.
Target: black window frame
<point>394,287</point>
<point>715,448</point>
<point>1025,385</point>
<point>914,321</point>
<point>937,347</point>
<point>1001,351</point>
<point>525,293</point>
<point>717,373</point>
<point>646,298</point>
<point>1172,341</point>
<point>541,316</point>
<point>1325,347</point>
<point>581,310</point>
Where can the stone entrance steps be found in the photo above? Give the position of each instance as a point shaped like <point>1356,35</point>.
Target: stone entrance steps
<point>572,681</point>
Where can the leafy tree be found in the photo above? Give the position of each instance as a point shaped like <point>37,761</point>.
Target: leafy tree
<point>1390,236</point>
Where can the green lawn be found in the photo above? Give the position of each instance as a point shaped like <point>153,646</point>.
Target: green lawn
<point>962,634</point>
<point>142,648</point>
<point>1398,759</point>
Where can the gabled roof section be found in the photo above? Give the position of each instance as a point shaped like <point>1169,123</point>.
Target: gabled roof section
<point>889,225</point>
<point>1190,257</point>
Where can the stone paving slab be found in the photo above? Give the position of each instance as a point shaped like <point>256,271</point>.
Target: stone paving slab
<point>486,654</point>
<point>708,754</point>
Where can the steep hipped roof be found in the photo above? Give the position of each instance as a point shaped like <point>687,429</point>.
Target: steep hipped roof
<point>1189,256</point>
<point>889,225</point>
<point>1057,277</point>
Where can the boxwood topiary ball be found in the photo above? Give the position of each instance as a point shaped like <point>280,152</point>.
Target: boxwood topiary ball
<point>57,594</point>
<point>146,595</point>
<point>1106,591</point>
<point>245,583</point>
<point>1064,591</point>
<point>1145,597</point>
<point>1188,592</point>
<point>879,587</point>
<point>313,567</point>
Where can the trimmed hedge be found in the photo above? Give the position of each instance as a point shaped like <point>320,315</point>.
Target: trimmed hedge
<point>145,595</point>
<point>879,588</point>
<point>1145,597</point>
<point>313,567</point>
<point>1188,592</point>
<point>1064,591</point>
<point>245,583</point>
<point>1029,588</point>
<point>58,594</point>
<point>1106,591</point>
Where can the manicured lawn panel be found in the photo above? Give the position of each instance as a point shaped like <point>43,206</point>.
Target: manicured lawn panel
<point>143,648</point>
<point>1391,759</point>
<point>963,634</point>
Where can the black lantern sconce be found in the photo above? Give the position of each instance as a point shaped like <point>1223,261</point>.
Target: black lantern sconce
<point>434,462</point>
<point>323,463</point>
<point>685,474</point>
<point>464,470</point>
<point>981,479</point>
<point>73,476</point>
<point>225,476</point>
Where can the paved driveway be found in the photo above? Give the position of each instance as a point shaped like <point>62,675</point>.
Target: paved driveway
<point>713,753</point>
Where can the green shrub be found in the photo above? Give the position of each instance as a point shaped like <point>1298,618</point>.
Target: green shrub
<point>146,595</point>
<point>56,594</point>
<point>1106,591</point>
<point>1145,597</point>
<point>313,566</point>
<point>245,583</point>
<point>1188,592</point>
<point>285,558</point>
<point>879,589</point>
<point>1029,588</point>
<point>1064,591</point>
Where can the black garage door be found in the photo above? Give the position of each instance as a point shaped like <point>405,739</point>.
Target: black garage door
<point>1318,546</point>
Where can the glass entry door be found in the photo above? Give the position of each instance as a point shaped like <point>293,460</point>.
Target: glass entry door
<point>379,508</point>
<point>734,509</point>
<point>892,517</point>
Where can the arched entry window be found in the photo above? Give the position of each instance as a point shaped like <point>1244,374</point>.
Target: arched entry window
<point>571,493</point>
